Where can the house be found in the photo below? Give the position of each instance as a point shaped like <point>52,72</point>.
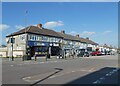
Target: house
<point>36,40</point>
<point>3,51</point>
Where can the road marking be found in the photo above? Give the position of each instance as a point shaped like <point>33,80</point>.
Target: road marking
<point>20,64</point>
<point>60,74</point>
<point>106,75</point>
<point>11,65</point>
<point>92,69</point>
<point>102,78</point>
<point>97,82</point>
<point>73,71</point>
<point>69,73</point>
<point>36,78</point>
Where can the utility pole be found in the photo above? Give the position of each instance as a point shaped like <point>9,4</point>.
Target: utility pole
<point>12,48</point>
<point>26,38</point>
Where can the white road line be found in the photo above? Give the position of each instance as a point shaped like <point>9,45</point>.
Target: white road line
<point>102,78</point>
<point>69,73</point>
<point>97,82</point>
<point>11,65</point>
<point>28,79</point>
<point>92,69</point>
<point>106,75</point>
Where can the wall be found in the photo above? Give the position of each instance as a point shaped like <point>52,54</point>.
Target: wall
<point>3,51</point>
<point>18,53</point>
<point>19,45</point>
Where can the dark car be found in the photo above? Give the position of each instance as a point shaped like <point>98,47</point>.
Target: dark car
<point>83,54</point>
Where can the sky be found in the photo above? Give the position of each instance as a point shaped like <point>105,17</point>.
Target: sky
<point>96,20</point>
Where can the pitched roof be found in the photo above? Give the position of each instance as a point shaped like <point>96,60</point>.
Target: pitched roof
<point>36,30</point>
<point>107,46</point>
<point>74,38</point>
<point>48,32</point>
<point>91,42</point>
<point>68,36</point>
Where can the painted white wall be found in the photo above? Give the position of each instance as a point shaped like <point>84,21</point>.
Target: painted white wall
<point>3,54</point>
<point>3,51</point>
<point>17,53</point>
<point>18,45</point>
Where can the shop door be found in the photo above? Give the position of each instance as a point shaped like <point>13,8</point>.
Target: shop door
<point>33,51</point>
<point>55,51</point>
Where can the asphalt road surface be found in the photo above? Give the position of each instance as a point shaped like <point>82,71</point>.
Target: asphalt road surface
<point>84,70</point>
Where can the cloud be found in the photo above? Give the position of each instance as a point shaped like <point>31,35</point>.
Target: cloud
<point>88,33</point>
<point>19,27</point>
<point>73,33</point>
<point>53,24</point>
<point>106,32</point>
<point>4,26</point>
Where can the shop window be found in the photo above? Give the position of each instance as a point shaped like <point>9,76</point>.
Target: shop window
<point>52,39</point>
<point>44,38</point>
<point>41,50</point>
<point>37,38</point>
<point>30,37</point>
<point>57,40</point>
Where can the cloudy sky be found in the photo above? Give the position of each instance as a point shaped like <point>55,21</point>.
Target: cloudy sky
<point>96,20</point>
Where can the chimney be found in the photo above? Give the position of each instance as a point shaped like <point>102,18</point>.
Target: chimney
<point>63,31</point>
<point>87,38</point>
<point>77,35</point>
<point>39,26</point>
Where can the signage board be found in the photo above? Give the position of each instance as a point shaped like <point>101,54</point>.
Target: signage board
<point>35,43</point>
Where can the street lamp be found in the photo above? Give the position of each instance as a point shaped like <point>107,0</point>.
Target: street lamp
<point>12,41</point>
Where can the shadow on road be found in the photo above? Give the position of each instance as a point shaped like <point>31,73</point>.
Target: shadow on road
<point>105,75</point>
<point>58,70</point>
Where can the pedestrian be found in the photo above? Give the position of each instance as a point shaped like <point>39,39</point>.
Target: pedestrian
<point>47,53</point>
<point>35,57</point>
<point>65,54</point>
<point>73,54</point>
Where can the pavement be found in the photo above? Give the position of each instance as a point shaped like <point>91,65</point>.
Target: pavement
<point>82,70</point>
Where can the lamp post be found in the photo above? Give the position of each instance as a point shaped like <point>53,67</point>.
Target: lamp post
<point>12,40</point>
<point>26,36</point>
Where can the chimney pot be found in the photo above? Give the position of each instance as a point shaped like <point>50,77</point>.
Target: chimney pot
<point>39,25</point>
<point>77,35</point>
<point>87,38</point>
<point>63,31</point>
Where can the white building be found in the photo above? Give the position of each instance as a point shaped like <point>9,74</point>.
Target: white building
<point>35,40</point>
<point>3,52</point>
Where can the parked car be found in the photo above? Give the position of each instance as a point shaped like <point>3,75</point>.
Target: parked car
<point>83,54</point>
<point>103,53</point>
<point>112,53</point>
<point>96,53</point>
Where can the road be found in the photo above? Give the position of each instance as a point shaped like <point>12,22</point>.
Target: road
<point>84,70</point>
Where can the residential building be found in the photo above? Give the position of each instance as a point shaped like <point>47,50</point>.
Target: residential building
<point>36,40</point>
<point>3,51</point>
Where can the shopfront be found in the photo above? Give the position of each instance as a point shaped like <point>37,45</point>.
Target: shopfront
<point>42,48</point>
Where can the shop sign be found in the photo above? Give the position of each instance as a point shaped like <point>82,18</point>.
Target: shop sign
<point>34,43</point>
<point>39,44</point>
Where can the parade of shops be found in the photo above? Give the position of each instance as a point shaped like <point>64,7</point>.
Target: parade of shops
<point>36,40</point>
